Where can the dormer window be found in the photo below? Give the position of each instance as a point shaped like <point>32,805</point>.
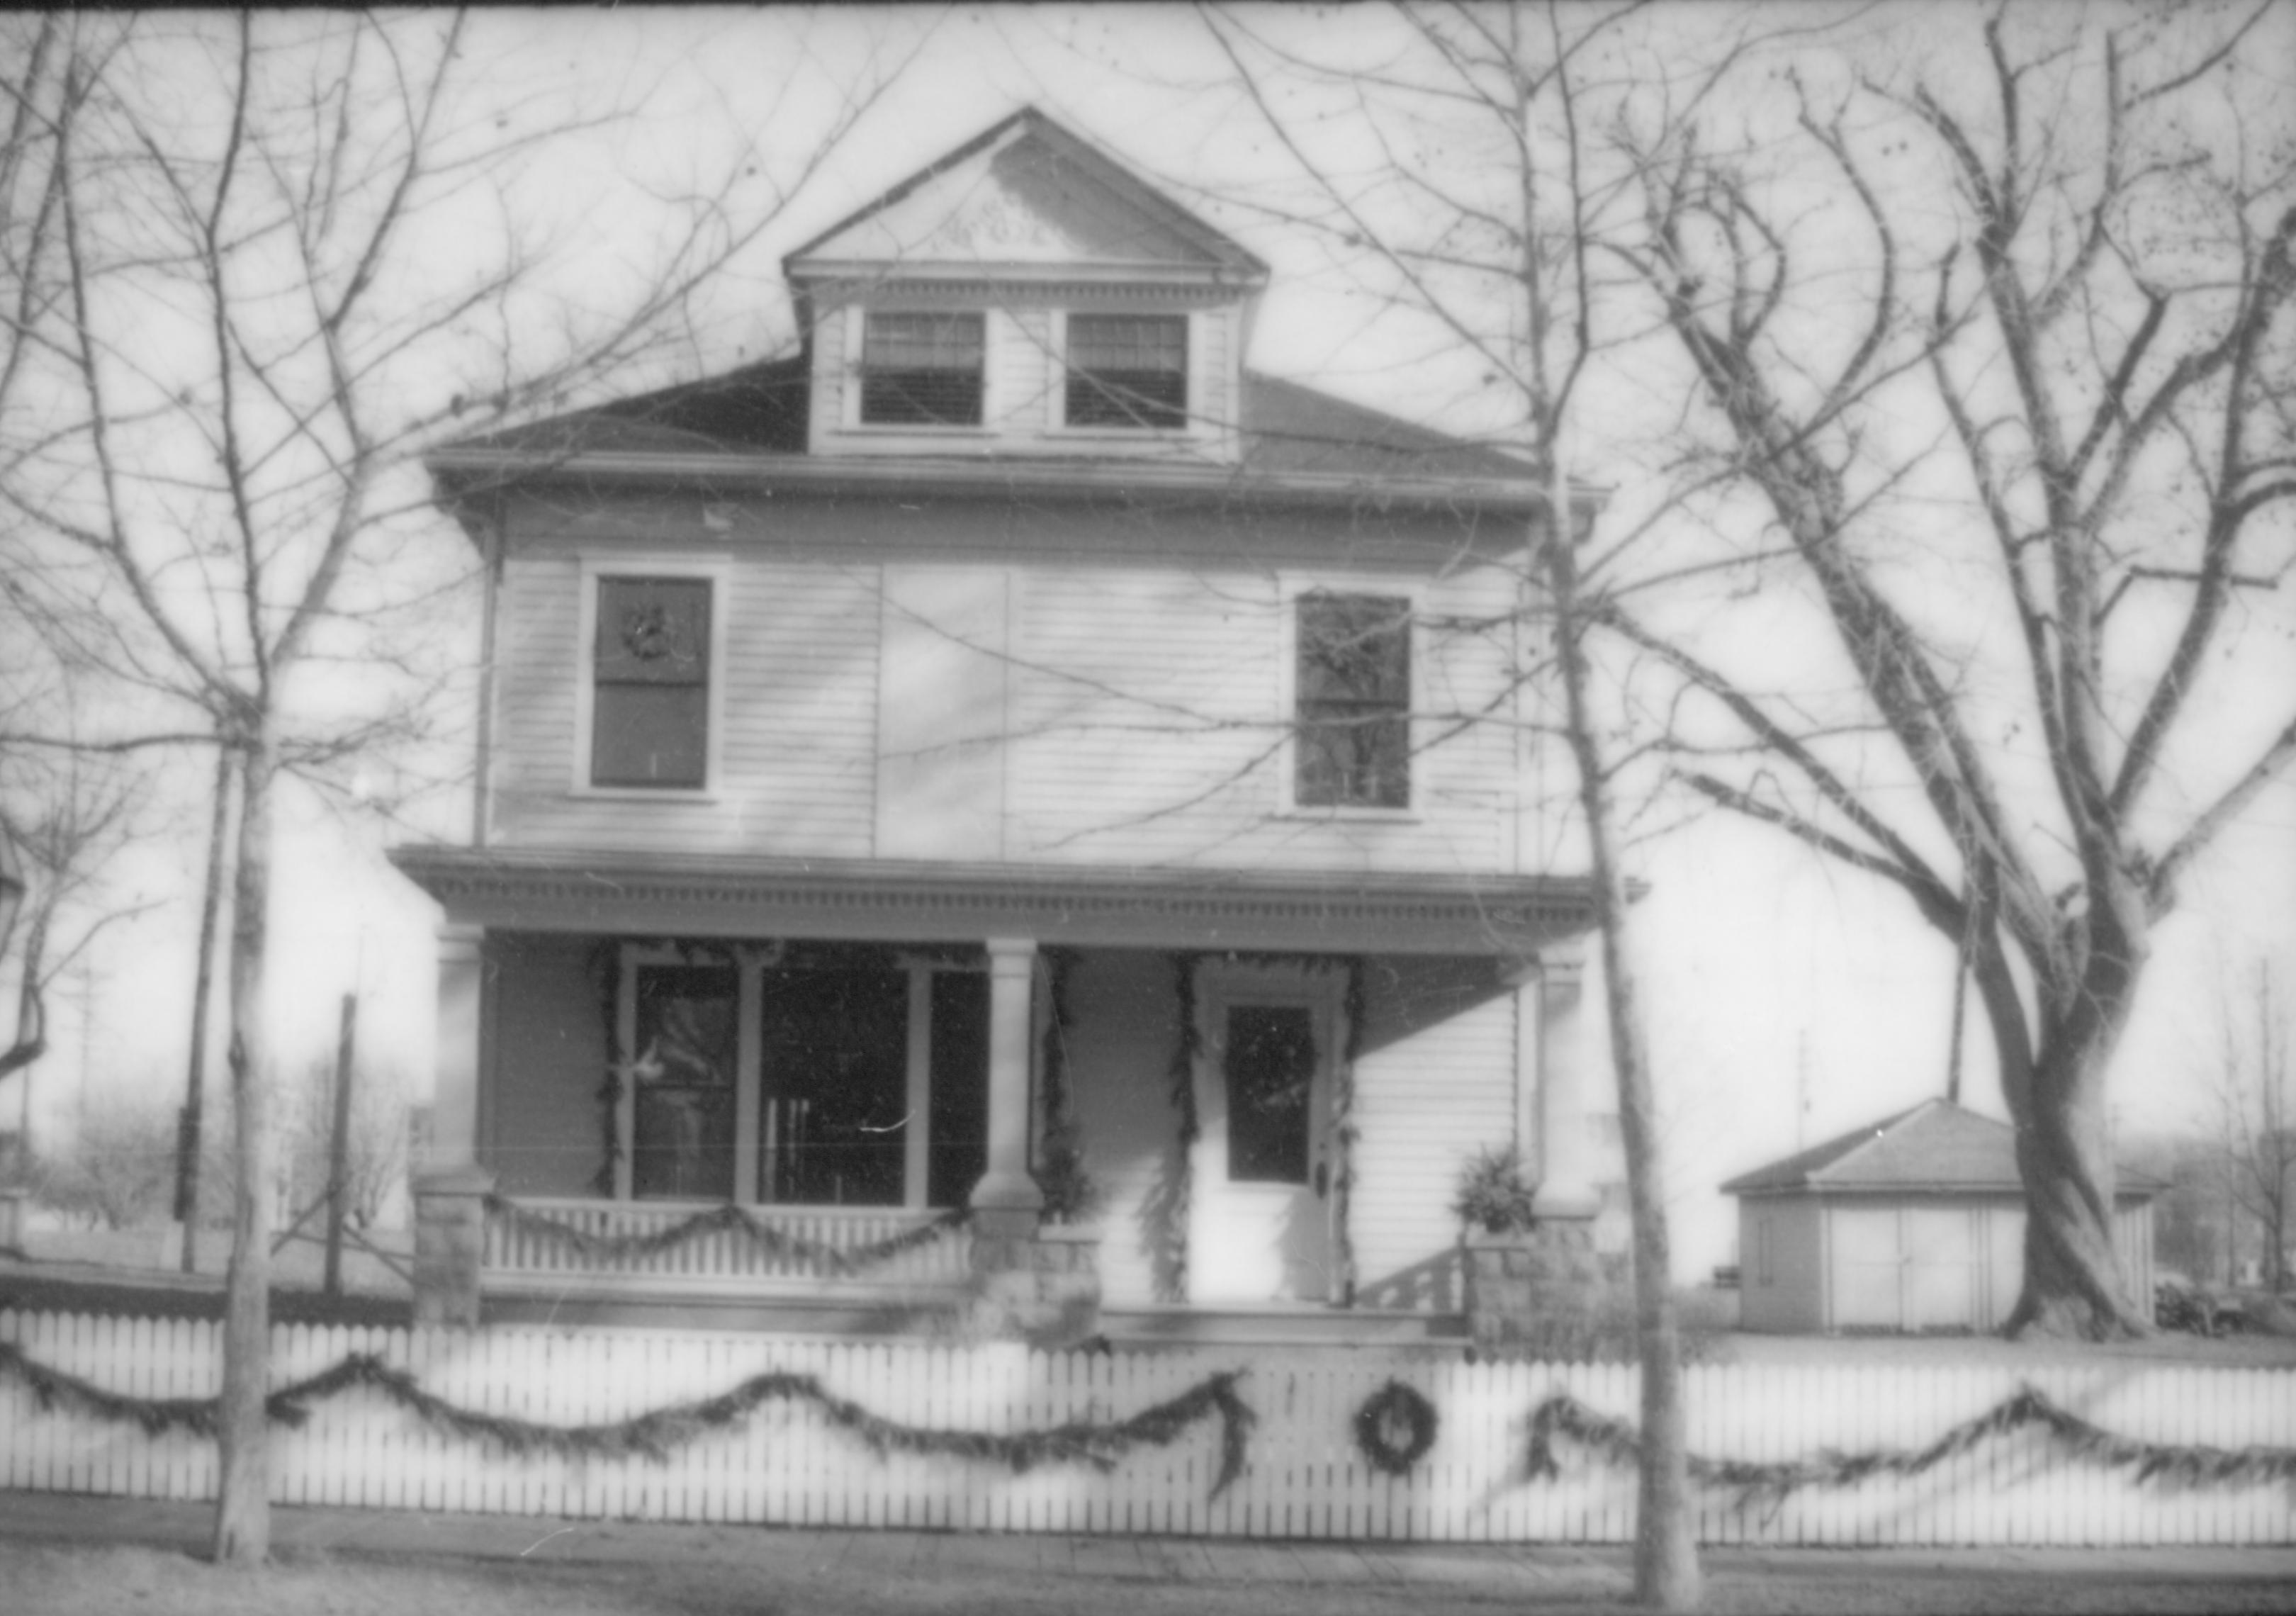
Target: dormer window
<point>1127,371</point>
<point>921,369</point>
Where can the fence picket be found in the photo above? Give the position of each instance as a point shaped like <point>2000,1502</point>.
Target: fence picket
<point>1305,1478</point>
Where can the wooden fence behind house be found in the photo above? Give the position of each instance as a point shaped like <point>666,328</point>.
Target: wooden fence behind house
<point>1305,1477</point>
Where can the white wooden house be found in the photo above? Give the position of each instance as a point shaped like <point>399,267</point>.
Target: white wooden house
<point>1914,1223</point>
<point>1007,737</point>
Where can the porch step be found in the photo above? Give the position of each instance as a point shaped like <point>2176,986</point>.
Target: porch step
<point>1305,1325</point>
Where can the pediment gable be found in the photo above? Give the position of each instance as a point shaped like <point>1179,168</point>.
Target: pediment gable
<point>1025,195</point>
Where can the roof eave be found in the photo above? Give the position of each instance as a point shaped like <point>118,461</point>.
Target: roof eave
<point>464,471</point>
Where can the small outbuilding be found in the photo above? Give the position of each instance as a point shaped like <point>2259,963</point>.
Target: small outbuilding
<point>1915,1223</point>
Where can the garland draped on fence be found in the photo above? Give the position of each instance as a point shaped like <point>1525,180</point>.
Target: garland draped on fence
<point>1619,1442</point>
<point>838,1261</point>
<point>653,1434</point>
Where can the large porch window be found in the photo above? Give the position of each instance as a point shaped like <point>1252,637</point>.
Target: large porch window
<point>804,1076</point>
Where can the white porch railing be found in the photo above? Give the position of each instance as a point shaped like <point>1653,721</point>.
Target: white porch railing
<point>524,1249</point>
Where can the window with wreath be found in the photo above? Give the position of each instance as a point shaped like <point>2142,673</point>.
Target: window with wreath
<point>1353,687</point>
<point>1127,370</point>
<point>921,369</point>
<point>650,707</point>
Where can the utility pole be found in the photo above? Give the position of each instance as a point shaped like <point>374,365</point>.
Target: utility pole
<point>338,1146</point>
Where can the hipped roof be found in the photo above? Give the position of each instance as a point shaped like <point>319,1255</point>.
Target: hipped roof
<point>1937,1146</point>
<point>760,410</point>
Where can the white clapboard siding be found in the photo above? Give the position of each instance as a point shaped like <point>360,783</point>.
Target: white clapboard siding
<point>1306,1478</point>
<point>1149,705</point>
<point>1425,1104</point>
<point>799,751</point>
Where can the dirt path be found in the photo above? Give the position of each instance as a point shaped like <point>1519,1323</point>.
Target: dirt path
<point>96,1557</point>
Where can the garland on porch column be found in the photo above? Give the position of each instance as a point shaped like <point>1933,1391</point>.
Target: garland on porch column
<point>1343,1134</point>
<point>2182,1463</point>
<point>839,1261</point>
<point>1071,1195</point>
<point>654,1434</point>
<point>606,978</point>
<point>1173,1283</point>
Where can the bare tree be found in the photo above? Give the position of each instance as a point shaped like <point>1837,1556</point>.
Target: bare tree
<point>1486,202</point>
<point>291,256</point>
<point>2063,325</point>
<point>2256,1102</point>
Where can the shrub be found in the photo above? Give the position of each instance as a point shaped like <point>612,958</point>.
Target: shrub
<point>1493,1196</point>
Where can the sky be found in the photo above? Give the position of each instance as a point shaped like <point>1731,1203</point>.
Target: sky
<point>1790,999</point>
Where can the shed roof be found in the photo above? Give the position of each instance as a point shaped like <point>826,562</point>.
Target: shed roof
<point>1935,1147</point>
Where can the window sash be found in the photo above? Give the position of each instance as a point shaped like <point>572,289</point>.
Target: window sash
<point>921,369</point>
<point>650,684</point>
<point>1127,370</point>
<point>1353,695</point>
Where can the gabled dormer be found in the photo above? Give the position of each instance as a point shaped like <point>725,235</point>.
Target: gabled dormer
<point>1027,295</point>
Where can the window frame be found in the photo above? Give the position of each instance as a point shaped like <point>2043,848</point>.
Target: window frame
<point>596,570</point>
<point>1063,370</point>
<point>749,961</point>
<point>1413,593</point>
<point>856,351</point>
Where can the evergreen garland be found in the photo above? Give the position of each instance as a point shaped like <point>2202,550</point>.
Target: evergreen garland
<point>2188,1464</point>
<point>1343,1135</point>
<point>1178,1204</point>
<point>606,978</point>
<point>839,1261</point>
<point>654,1434</point>
<point>1071,1195</point>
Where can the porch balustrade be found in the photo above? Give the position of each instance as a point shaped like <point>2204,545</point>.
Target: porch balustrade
<point>523,1252</point>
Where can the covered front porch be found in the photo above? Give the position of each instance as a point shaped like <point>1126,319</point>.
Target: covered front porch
<point>887,1099</point>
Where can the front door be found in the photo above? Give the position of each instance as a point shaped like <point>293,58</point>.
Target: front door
<point>1259,1222</point>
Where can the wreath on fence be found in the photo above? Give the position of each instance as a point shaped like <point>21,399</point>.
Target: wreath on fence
<point>653,1434</point>
<point>837,1261</point>
<point>1395,1428</point>
<point>2190,1464</point>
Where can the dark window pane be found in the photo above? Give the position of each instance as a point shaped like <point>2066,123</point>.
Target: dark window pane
<point>1127,370</point>
<point>650,715</point>
<point>653,630</point>
<point>1354,688</point>
<point>921,370</point>
<point>959,1152</point>
<point>684,1072</point>
<point>651,735</point>
<point>1271,1072</point>
<point>834,1088</point>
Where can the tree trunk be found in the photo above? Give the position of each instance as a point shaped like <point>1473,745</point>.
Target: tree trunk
<point>188,1131</point>
<point>1666,1552</point>
<point>243,1527</point>
<point>2074,1286</point>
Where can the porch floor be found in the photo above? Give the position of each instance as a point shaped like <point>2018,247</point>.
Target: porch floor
<point>1269,1325</point>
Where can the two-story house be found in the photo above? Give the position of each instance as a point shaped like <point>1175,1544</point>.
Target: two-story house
<point>1007,749</point>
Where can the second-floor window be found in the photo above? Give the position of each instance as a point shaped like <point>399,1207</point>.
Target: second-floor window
<point>649,713</point>
<point>1127,370</point>
<point>1353,685</point>
<point>921,369</point>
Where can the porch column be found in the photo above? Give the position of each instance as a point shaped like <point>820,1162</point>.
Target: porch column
<point>450,1216</point>
<point>1565,1188</point>
<point>1006,1187</point>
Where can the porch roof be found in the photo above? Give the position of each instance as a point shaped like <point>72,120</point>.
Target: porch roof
<point>890,900</point>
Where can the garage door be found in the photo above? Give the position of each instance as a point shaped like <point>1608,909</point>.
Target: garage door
<point>1904,1267</point>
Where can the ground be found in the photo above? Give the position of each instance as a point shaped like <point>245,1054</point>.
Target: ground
<point>63,1557</point>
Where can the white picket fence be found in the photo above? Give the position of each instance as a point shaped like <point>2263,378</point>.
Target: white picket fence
<point>1306,1478</point>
